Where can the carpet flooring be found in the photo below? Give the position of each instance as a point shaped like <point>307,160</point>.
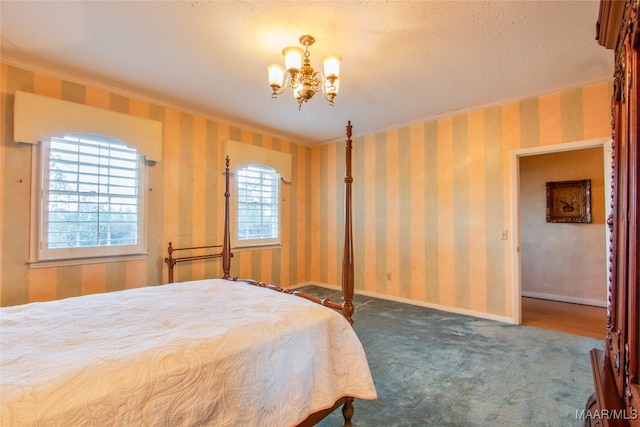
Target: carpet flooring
<point>434,368</point>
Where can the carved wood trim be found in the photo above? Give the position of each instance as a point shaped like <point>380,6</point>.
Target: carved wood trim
<point>613,224</point>
<point>633,338</point>
<point>605,392</point>
<point>617,377</point>
<point>608,26</point>
<point>634,405</point>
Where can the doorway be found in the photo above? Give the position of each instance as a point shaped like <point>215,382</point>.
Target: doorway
<point>521,250</point>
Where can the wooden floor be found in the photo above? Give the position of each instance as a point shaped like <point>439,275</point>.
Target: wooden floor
<point>575,319</point>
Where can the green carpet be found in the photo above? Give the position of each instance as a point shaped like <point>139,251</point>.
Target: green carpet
<point>433,368</point>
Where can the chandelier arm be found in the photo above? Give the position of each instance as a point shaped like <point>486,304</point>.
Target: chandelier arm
<point>293,81</point>
<point>317,81</point>
<point>283,88</point>
<point>329,97</point>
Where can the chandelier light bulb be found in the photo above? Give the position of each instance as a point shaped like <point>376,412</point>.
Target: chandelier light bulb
<point>276,75</point>
<point>292,58</point>
<point>331,66</point>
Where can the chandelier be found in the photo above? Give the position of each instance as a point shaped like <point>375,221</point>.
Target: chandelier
<point>300,76</point>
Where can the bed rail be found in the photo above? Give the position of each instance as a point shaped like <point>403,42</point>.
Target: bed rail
<point>171,261</point>
<point>225,254</point>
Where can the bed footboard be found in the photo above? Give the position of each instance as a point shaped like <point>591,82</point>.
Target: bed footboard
<point>171,261</point>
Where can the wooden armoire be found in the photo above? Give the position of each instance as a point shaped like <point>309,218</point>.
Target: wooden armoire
<point>616,370</point>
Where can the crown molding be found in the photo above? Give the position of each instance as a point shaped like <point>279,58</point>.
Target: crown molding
<point>86,82</point>
<point>140,97</point>
<point>492,104</point>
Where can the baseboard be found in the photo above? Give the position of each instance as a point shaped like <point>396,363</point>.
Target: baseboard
<point>563,298</point>
<point>448,309</point>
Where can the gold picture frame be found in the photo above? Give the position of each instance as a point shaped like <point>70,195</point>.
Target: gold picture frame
<point>569,201</point>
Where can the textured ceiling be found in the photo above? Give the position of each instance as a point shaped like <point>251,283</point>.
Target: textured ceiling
<point>402,61</point>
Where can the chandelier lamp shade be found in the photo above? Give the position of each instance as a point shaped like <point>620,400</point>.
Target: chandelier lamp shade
<point>299,75</point>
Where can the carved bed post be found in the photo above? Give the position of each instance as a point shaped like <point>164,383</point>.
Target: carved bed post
<point>170,262</point>
<point>226,242</point>
<point>347,260</point>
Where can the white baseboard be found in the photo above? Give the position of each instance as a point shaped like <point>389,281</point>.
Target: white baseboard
<point>448,309</point>
<point>564,298</point>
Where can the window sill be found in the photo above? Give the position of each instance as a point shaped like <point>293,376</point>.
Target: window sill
<point>269,246</point>
<point>84,261</point>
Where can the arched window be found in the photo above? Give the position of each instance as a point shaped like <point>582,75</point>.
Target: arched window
<point>257,196</point>
<point>89,199</point>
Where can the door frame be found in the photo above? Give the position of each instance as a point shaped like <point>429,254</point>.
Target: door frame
<point>514,190</point>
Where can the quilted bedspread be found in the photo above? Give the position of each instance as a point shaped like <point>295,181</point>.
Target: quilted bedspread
<point>208,352</point>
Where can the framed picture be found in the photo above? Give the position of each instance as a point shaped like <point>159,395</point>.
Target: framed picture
<point>569,201</point>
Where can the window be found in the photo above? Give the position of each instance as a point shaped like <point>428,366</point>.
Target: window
<point>91,199</point>
<point>257,206</point>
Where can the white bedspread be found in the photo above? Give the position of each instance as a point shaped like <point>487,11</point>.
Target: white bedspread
<point>208,352</point>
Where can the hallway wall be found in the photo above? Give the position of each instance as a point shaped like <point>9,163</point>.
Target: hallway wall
<point>562,261</point>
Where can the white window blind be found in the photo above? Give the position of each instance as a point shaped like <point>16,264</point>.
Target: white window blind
<point>91,198</point>
<point>258,209</point>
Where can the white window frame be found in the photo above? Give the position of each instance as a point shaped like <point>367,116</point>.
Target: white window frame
<point>236,242</point>
<point>41,256</point>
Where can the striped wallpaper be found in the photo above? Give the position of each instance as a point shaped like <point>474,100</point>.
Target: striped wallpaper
<point>429,200</point>
<point>185,202</point>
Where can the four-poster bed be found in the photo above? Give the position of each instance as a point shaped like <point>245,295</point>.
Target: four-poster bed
<point>346,307</point>
<point>206,352</point>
